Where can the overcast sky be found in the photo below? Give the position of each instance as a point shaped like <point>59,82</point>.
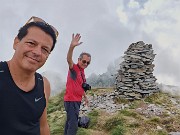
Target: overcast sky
<point>107,27</point>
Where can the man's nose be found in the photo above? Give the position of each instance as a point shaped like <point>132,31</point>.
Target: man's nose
<point>37,50</point>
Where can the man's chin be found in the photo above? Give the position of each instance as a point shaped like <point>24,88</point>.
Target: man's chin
<point>32,66</point>
<point>84,67</point>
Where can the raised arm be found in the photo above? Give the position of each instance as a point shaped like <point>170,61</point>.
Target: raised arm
<point>75,42</point>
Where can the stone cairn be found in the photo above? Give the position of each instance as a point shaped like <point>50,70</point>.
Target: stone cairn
<point>135,79</point>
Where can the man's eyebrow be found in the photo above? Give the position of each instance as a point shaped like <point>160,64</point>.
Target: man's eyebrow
<point>32,40</point>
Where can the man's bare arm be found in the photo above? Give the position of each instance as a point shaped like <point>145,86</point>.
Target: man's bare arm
<point>75,42</point>
<point>44,127</point>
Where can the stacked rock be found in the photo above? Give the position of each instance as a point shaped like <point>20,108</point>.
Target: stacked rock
<point>135,79</point>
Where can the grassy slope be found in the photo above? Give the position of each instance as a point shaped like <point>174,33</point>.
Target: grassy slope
<point>124,122</point>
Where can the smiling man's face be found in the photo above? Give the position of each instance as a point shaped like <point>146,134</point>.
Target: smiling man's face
<point>33,50</point>
<point>84,61</point>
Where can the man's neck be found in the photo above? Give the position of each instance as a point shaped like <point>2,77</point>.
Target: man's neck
<point>22,78</point>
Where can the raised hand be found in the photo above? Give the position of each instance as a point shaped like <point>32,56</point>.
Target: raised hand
<point>76,40</point>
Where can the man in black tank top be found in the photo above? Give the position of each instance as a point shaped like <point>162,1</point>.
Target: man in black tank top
<point>23,92</point>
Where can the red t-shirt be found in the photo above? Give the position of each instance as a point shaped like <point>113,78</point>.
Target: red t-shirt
<point>74,90</point>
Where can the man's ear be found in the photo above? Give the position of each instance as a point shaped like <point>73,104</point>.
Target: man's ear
<point>16,41</point>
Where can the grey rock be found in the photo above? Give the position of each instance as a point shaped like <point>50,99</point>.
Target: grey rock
<point>135,77</point>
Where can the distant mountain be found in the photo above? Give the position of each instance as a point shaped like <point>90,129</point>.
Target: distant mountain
<point>106,79</point>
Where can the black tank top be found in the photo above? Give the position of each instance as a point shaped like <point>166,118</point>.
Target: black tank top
<point>20,111</point>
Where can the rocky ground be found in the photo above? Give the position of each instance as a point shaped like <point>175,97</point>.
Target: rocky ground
<point>158,114</point>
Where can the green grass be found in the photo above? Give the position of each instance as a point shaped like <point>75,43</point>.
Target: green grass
<point>93,119</point>
<point>82,131</point>
<point>113,123</point>
<point>56,117</point>
<point>56,103</point>
<point>129,113</point>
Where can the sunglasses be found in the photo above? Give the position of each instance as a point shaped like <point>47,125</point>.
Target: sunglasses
<point>37,19</point>
<point>84,62</point>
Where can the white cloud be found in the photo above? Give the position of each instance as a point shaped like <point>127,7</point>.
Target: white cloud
<point>107,28</point>
<point>133,4</point>
<point>152,7</point>
<point>167,79</point>
<point>123,18</point>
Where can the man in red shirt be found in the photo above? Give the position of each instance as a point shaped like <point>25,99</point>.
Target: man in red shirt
<point>74,90</point>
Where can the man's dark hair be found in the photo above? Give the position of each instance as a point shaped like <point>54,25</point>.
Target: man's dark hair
<point>45,27</point>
